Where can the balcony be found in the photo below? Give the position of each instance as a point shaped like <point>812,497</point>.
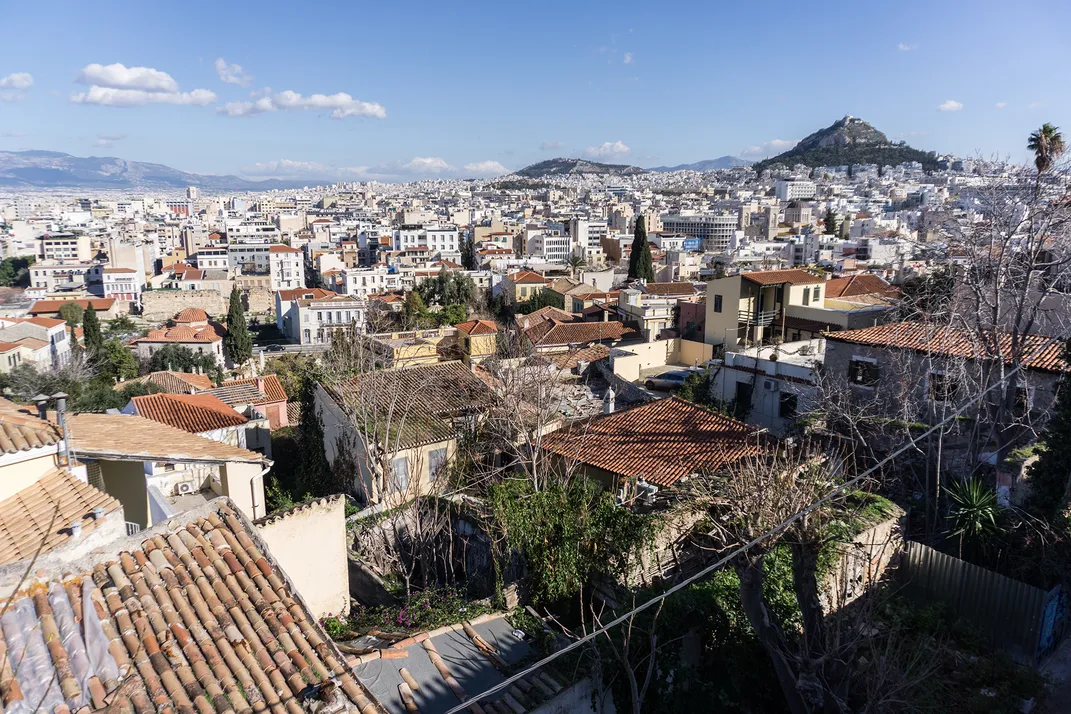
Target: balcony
<point>763,318</point>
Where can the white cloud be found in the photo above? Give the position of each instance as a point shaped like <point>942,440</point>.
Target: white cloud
<point>608,150</point>
<point>949,105</point>
<point>768,148</point>
<point>119,76</point>
<point>425,165</point>
<point>341,105</point>
<point>108,139</point>
<point>628,58</point>
<point>905,47</point>
<point>297,170</point>
<point>18,80</point>
<point>550,145</point>
<point>258,93</point>
<point>112,97</point>
<point>232,73</point>
<point>1000,105</point>
<point>486,168</point>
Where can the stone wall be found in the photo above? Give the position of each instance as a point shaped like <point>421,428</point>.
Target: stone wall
<point>863,562</point>
<point>160,305</point>
<point>259,301</point>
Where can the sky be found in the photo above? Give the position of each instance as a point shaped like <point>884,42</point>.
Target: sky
<point>395,90</point>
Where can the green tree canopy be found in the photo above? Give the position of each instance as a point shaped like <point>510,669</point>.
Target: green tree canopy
<point>115,361</point>
<point>72,312</point>
<point>830,222</point>
<point>238,343</point>
<point>176,358</point>
<point>640,264</point>
<point>100,397</point>
<point>91,333</point>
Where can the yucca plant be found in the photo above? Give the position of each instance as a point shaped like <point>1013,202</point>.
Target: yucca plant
<point>975,513</point>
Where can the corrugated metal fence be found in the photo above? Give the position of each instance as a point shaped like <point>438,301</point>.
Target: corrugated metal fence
<point>1010,613</point>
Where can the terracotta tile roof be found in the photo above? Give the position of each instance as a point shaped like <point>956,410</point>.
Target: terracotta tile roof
<point>25,518</point>
<point>478,327</point>
<point>551,332</point>
<point>194,616</point>
<point>191,314</point>
<point>49,307</point>
<point>303,293</point>
<point>31,343</point>
<point>862,284</point>
<point>270,386</point>
<point>184,333</point>
<point>195,413</point>
<point>293,413</point>
<point>669,289</point>
<point>119,270</point>
<point>545,313</point>
<point>663,441</point>
<point>21,431</point>
<point>776,277</point>
<point>418,401</point>
<point>572,358</point>
<point>132,437</point>
<point>525,277</point>
<point>283,249</point>
<point>174,382</point>
<point>1038,351</point>
<point>239,394</point>
<point>8,346</point>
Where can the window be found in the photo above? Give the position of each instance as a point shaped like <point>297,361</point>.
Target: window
<point>717,303</point>
<point>942,387</point>
<point>788,405</point>
<point>863,372</point>
<point>400,467</point>
<point>806,296</point>
<point>436,462</point>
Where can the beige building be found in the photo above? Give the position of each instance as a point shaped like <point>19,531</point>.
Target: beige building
<point>478,340</point>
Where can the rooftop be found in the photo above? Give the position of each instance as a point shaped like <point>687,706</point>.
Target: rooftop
<point>130,437</point>
<point>478,327</point>
<point>669,289</point>
<point>553,332</point>
<point>195,413</point>
<point>20,430</point>
<point>270,389</point>
<point>191,314</point>
<point>777,277</point>
<point>663,441</point>
<point>174,382</point>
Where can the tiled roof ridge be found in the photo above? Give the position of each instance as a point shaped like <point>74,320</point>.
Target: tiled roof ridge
<point>279,515</point>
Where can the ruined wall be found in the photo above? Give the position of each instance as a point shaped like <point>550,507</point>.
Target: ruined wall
<point>159,305</point>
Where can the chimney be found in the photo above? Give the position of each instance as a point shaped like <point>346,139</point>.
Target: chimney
<point>608,401</point>
<point>42,406</point>
<point>76,529</point>
<point>61,418</point>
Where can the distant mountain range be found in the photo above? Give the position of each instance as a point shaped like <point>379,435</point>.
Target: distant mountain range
<point>576,167</point>
<point>846,142</point>
<point>52,169</point>
<point>723,162</point>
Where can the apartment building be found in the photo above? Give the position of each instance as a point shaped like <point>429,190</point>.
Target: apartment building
<point>50,275</point>
<point>362,282</point>
<point>66,246</point>
<point>287,267</point>
<point>123,284</point>
<point>442,241</point>
<point>794,189</point>
<point>45,339</point>
<point>317,318</point>
<point>714,231</point>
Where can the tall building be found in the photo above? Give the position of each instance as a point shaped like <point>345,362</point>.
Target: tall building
<point>714,231</point>
<point>193,193</point>
<point>794,189</point>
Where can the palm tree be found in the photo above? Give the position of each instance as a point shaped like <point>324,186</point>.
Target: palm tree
<point>1047,143</point>
<point>576,263</point>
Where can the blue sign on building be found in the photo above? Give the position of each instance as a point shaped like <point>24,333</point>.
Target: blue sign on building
<point>691,244</point>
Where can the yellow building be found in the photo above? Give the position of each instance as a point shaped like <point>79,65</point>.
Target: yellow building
<point>524,284</point>
<point>478,340</point>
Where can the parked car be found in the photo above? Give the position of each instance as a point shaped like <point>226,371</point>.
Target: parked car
<point>274,348</point>
<point>668,381</point>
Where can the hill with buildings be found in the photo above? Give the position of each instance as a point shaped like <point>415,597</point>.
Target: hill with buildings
<point>846,142</point>
<point>576,167</point>
<point>722,162</point>
<point>53,169</point>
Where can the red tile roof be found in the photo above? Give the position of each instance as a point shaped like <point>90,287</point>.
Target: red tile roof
<point>195,413</point>
<point>552,332</point>
<point>776,277</point>
<point>663,441</point>
<point>21,430</point>
<point>863,284</point>
<point>545,313</point>
<point>283,249</point>
<point>303,293</point>
<point>191,314</point>
<point>478,327</point>
<point>270,386</point>
<point>196,616</point>
<point>184,333</point>
<point>174,382</point>
<point>525,277</point>
<point>1038,352</point>
<point>48,307</point>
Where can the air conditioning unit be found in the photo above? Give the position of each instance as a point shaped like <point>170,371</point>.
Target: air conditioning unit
<point>771,385</point>
<point>185,488</point>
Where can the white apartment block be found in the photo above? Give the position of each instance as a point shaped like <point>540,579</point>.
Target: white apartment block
<point>362,282</point>
<point>551,245</point>
<point>123,284</point>
<point>251,230</point>
<point>50,275</point>
<point>318,318</point>
<point>249,258</point>
<point>794,189</point>
<point>66,246</point>
<point>37,334</point>
<point>212,258</point>
<point>441,241</point>
<point>287,267</point>
<point>714,230</point>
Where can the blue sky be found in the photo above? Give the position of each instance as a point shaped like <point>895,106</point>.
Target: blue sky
<point>416,89</point>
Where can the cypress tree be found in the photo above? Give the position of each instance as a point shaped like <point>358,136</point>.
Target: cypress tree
<point>831,222</point>
<point>91,331</point>
<point>238,344</point>
<point>640,264</point>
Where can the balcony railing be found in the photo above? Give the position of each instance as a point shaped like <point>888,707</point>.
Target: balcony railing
<point>132,528</point>
<point>764,318</point>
